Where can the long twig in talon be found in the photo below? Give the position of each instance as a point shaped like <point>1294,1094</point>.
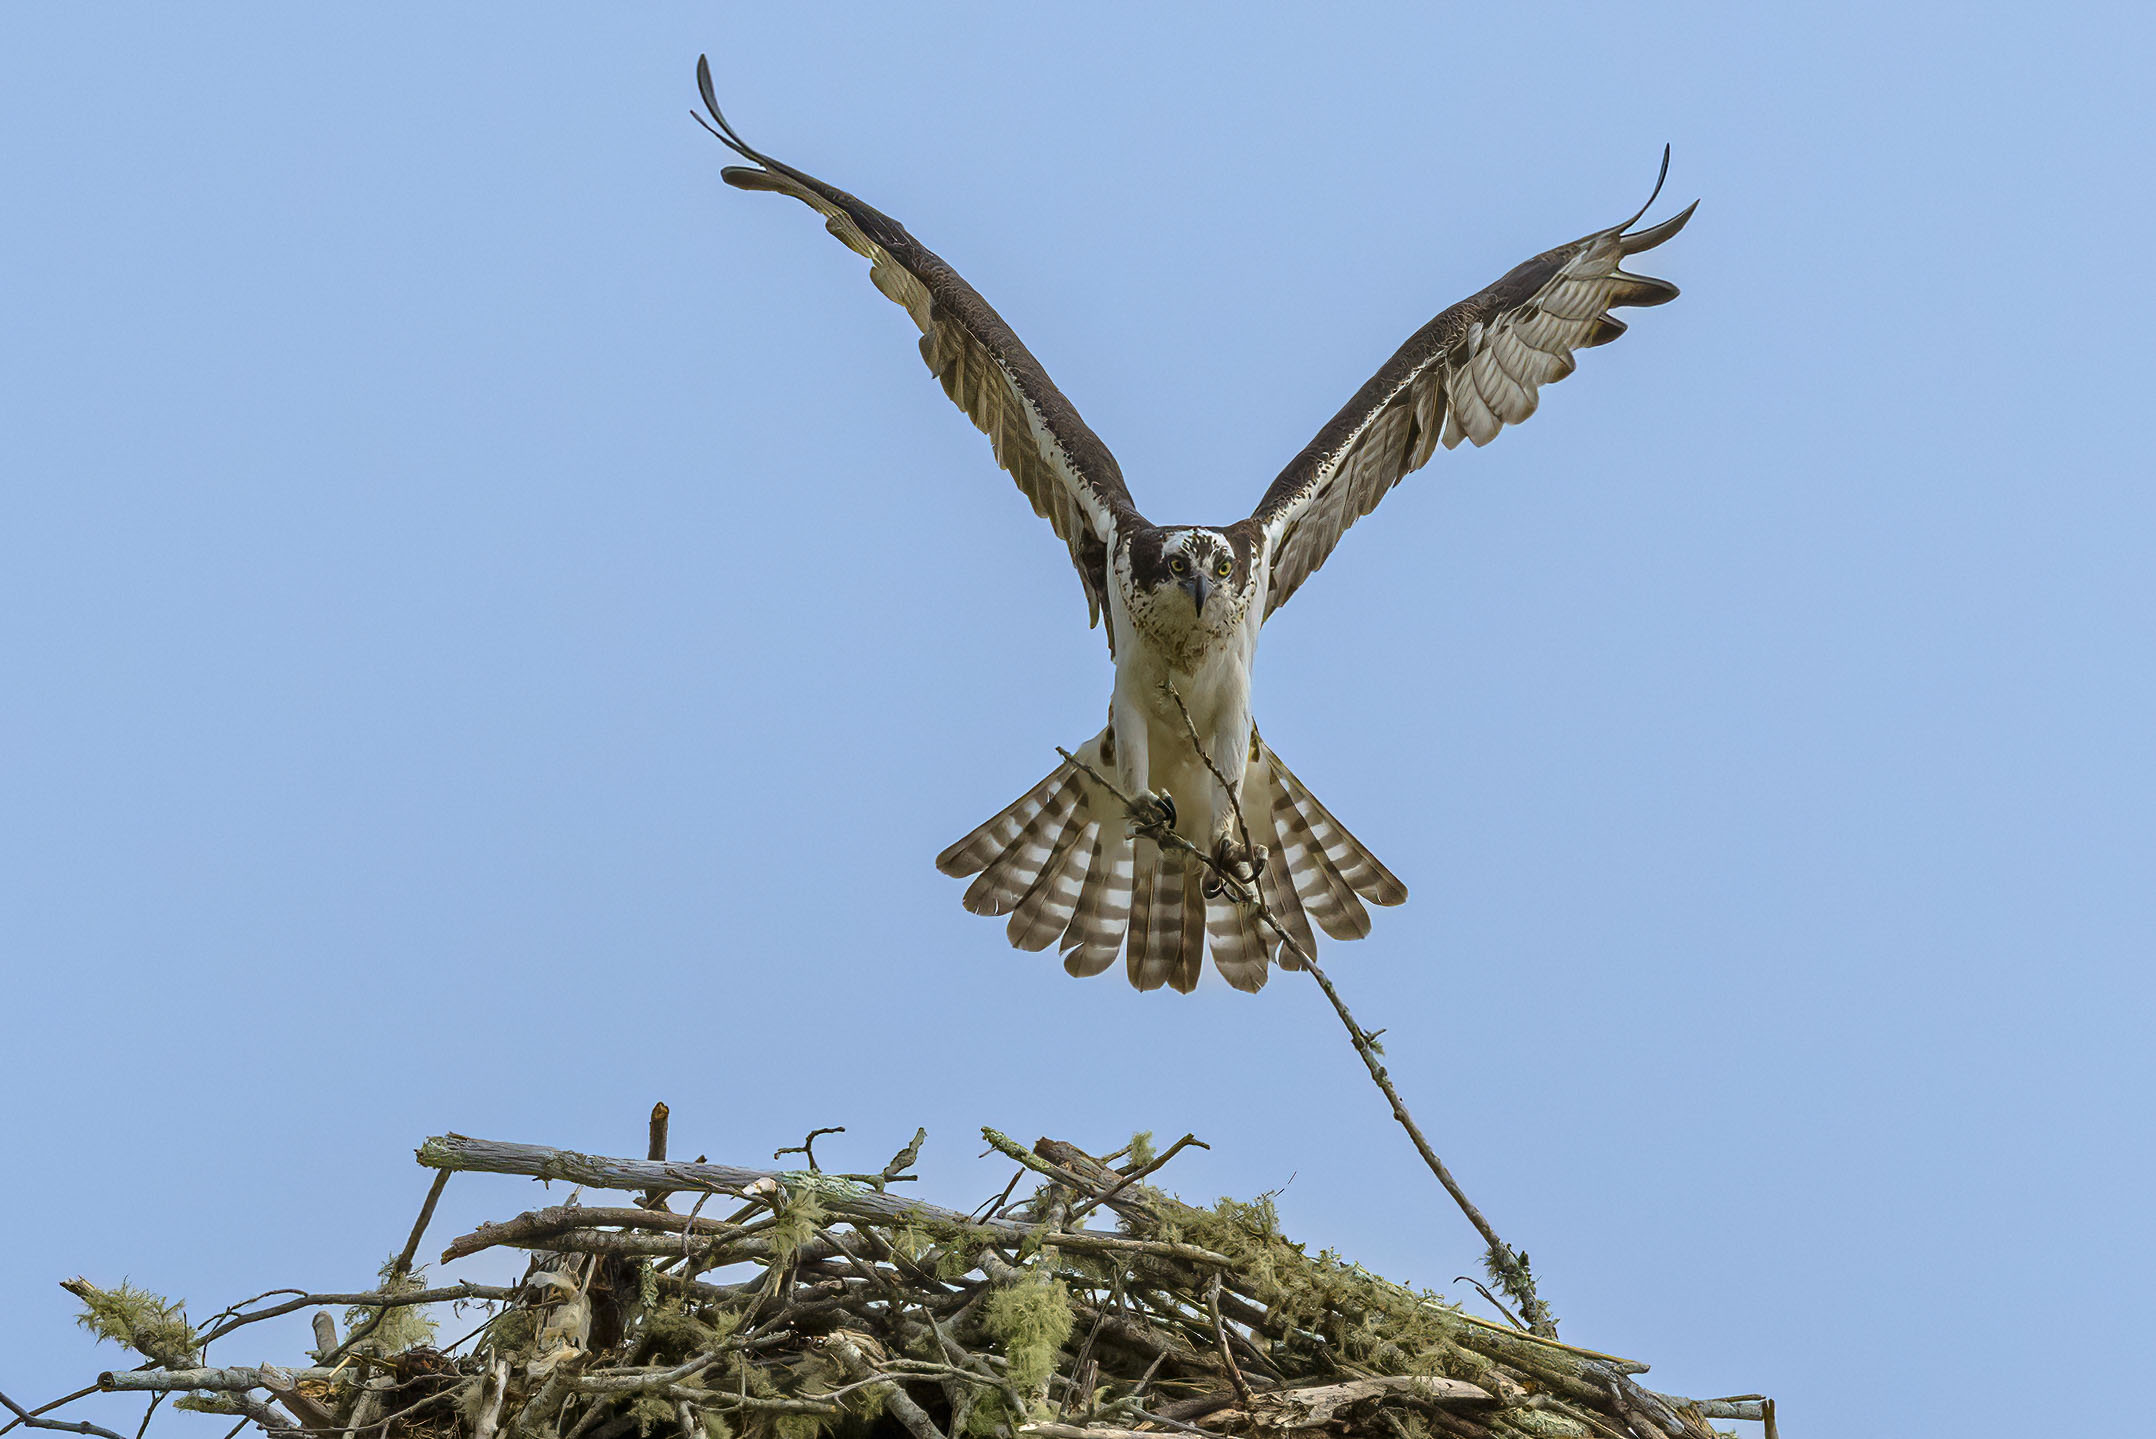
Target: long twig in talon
<point>1507,1264</point>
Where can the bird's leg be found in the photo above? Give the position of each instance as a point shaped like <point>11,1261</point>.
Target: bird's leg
<point>1241,862</point>
<point>1152,812</point>
<point>1233,857</point>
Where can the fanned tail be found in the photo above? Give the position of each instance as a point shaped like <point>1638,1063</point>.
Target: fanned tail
<point>1062,863</point>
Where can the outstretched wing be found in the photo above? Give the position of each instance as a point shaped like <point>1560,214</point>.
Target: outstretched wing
<point>1059,463</point>
<point>1468,373</point>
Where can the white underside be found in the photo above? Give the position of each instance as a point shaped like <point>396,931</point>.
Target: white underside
<point>1153,749</point>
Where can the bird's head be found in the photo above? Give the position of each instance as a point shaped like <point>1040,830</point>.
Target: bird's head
<point>1189,580</point>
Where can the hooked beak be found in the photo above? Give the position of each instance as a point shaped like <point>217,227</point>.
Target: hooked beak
<point>1199,587</point>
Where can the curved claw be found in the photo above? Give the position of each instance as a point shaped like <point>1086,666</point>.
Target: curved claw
<point>1241,865</point>
<point>1152,813</point>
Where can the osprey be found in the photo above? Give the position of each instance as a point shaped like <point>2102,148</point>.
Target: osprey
<point>1069,862</point>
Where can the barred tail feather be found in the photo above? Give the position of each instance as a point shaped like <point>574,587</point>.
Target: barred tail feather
<point>1190,955</point>
<point>1167,924</point>
<point>1345,855</point>
<point>1138,951</point>
<point>1333,873</point>
<point>1004,882</point>
<point>1240,949</point>
<point>1276,882</point>
<point>1324,895</point>
<point>1045,912</point>
<point>987,843</point>
<point>1095,935</point>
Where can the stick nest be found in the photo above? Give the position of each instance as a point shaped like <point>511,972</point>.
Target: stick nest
<point>810,1304</point>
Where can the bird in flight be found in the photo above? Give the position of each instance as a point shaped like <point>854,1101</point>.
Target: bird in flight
<point>1069,861</point>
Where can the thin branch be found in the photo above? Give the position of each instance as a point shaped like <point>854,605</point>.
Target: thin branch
<point>806,1146</point>
<point>71,1426</point>
<point>376,1298</point>
<point>1495,1302</point>
<point>562,1218</point>
<point>1510,1266</point>
<point>24,1416</point>
<point>1188,1141</point>
<point>231,1309</point>
<point>403,1265</point>
<point>996,1204</point>
<point>1176,1424</point>
<point>656,1198</point>
<point>1220,1337</point>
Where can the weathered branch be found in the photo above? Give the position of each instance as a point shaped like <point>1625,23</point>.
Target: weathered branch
<point>229,1379</point>
<point>34,1419</point>
<point>373,1298</point>
<point>403,1266</point>
<point>1108,1195</point>
<point>461,1152</point>
<point>565,1218</point>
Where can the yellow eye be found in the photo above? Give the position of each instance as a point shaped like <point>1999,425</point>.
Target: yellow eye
<point>1224,568</point>
<point>1178,565</point>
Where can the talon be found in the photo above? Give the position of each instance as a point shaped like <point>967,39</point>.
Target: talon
<point>1153,813</point>
<point>1242,864</point>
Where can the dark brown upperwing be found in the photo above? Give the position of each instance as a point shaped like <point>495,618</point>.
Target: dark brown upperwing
<point>1468,373</point>
<point>1059,463</point>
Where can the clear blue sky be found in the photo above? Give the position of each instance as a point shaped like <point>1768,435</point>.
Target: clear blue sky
<point>495,626</point>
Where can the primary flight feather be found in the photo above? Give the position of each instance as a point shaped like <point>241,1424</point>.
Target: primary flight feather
<point>1183,604</point>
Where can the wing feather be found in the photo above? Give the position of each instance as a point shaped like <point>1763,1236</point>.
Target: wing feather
<point>1037,435</point>
<point>1476,368</point>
